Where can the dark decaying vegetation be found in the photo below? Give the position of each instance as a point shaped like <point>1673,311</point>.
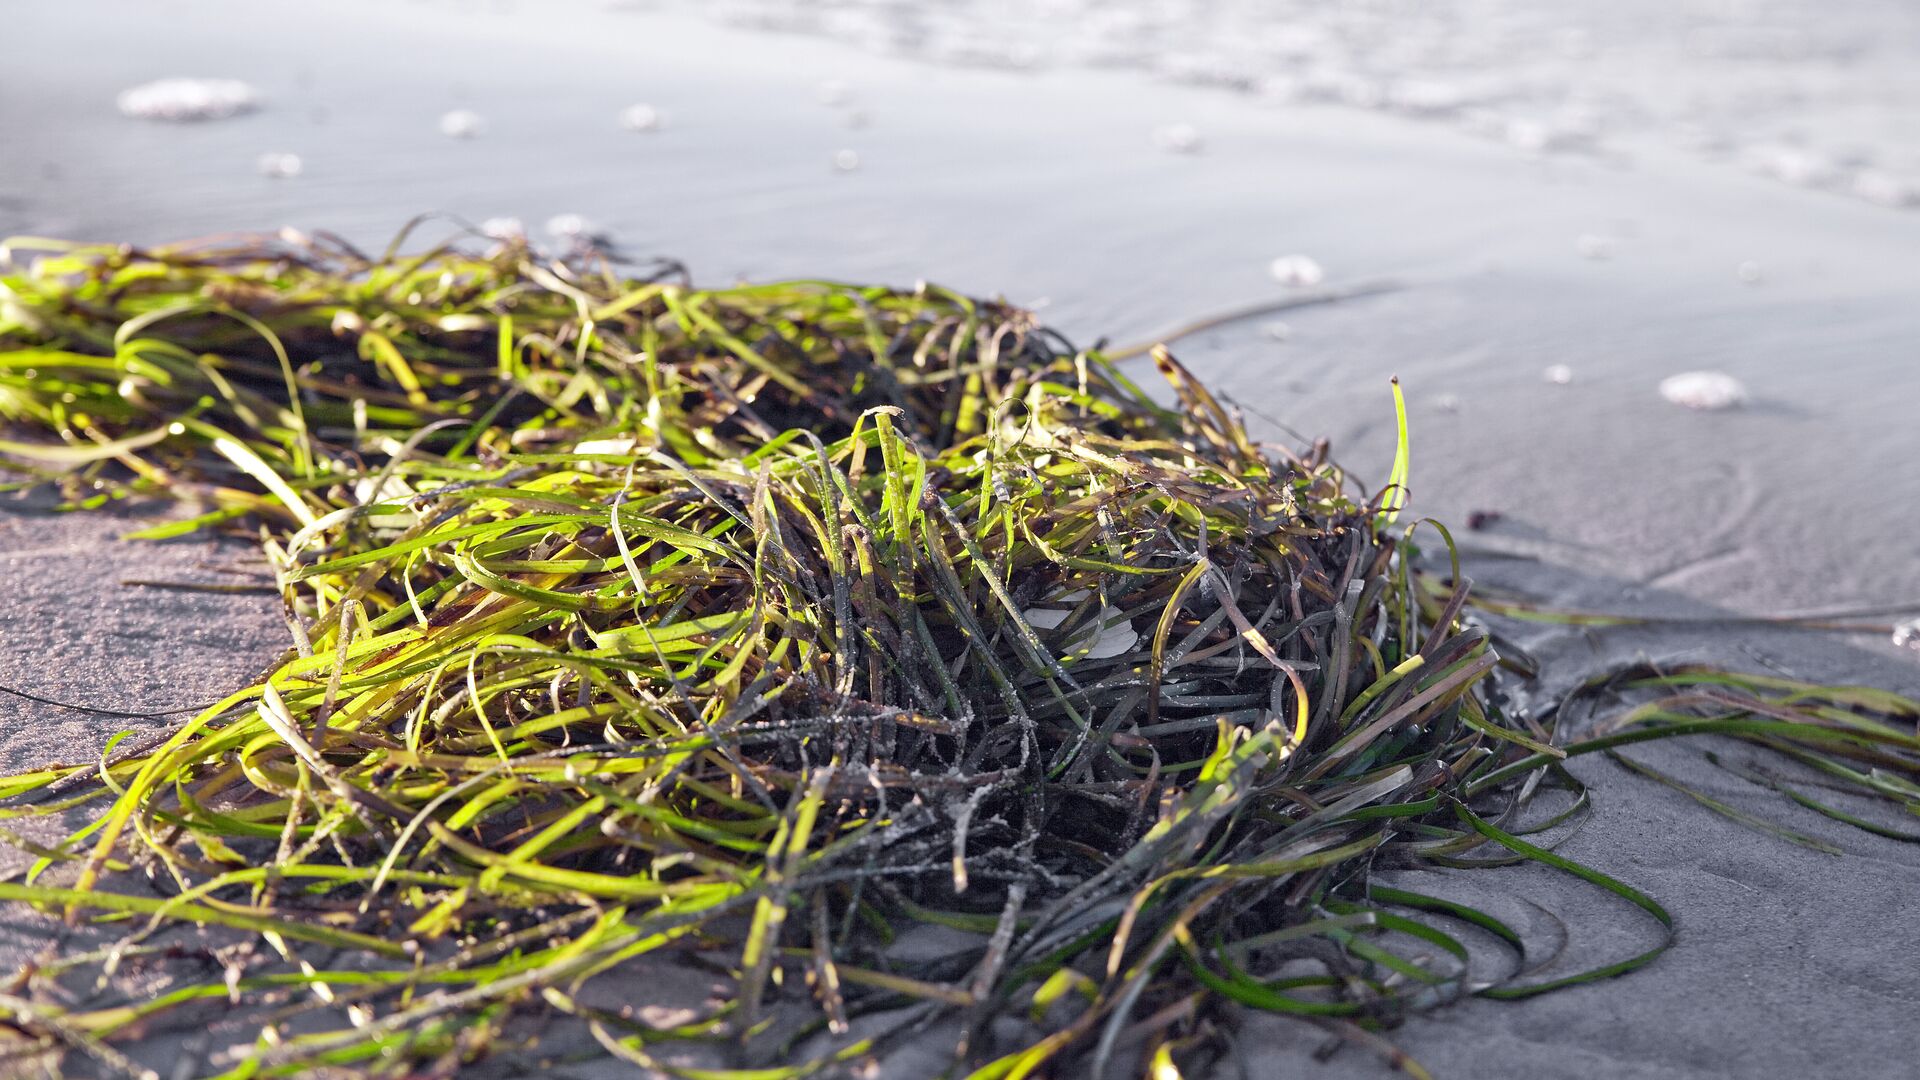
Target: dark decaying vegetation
<point>639,624</point>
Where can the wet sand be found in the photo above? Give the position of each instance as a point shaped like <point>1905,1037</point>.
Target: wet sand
<point>1047,187</point>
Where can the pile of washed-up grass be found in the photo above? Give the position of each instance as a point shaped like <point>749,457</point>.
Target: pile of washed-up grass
<point>636,624</point>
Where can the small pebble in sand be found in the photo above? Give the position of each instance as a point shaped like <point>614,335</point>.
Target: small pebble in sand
<point>1559,374</point>
<point>504,228</point>
<point>1907,634</point>
<point>568,227</point>
<point>462,124</point>
<point>1178,138</point>
<point>1748,272</point>
<point>1593,246</point>
<point>278,164</point>
<point>1276,330</point>
<point>188,99</point>
<point>846,161</point>
<point>640,117</point>
<point>835,92</point>
<point>1296,271</point>
<point>1482,519</point>
<point>1708,390</point>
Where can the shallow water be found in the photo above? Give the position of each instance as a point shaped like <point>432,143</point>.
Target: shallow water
<point>1822,95</point>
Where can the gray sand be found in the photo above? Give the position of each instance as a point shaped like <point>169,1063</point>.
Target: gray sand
<point>1047,188</point>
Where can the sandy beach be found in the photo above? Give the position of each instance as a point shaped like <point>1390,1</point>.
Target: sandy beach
<point>1046,186</point>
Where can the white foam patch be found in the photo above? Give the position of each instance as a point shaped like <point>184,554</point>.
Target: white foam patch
<point>1809,94</point>
<point>1885,188</point>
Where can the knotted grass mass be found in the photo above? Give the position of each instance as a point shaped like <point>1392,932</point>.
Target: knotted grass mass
<point>637,624</point>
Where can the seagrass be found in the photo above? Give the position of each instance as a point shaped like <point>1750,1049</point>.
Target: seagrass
<point>635,623</point>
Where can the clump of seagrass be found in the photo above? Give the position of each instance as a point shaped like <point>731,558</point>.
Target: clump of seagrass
<point>640,624</point>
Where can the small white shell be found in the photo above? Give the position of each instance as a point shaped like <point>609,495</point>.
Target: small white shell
<point>504,228</point>
<point>1115,639</point>
<point>640,117</point>
<point>1709,390</point>
<point>393,488</point>
<point>462,124</point>
<point>278,165</point>
<point>1296,271</point>
<point>187,99</point>
<point>835,92</point>
<point>395,514</point>
<point>1593,246</point>
<point>1178,138</point>
<point>1115,634</point>
<point>605,446</point>
<point>1044,618</point>
<point>568,227</point>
